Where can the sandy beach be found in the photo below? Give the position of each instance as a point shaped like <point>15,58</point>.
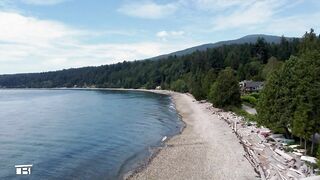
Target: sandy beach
<point>206,149</point>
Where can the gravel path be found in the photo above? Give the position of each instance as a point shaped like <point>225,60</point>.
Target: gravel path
<point>249,109</point>
<point>206,149</point>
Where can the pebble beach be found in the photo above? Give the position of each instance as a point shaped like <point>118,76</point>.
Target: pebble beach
<point>207,148</point>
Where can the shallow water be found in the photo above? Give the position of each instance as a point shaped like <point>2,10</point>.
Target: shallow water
<point>81,134</point>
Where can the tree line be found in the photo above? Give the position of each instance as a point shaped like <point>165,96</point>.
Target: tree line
<point>194,73</point>
<point>290,100</point>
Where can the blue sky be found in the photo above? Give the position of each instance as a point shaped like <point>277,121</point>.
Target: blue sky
<point>44,35</point>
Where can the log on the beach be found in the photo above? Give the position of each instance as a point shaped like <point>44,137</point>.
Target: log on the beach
<point>250,160</point>
<point>297,172</point>
<point>283,154</point>
<point>278,160</point>
<point>261,172</point>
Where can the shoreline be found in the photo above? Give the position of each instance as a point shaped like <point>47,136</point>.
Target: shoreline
<point>198,151</point>
<point>157,149</point>
<point>205,148</point>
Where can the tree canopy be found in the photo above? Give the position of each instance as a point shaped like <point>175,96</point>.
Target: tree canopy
<point>225,90</point>
<point>290,99</point>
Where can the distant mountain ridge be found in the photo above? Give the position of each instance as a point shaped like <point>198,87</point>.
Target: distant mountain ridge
<point>246,39</point>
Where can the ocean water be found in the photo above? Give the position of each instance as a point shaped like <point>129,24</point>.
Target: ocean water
<point>81,134</point>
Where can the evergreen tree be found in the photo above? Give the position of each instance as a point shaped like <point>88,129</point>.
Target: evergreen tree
<point>272,65</point>
<point>207,81</point>
<point>233,59</point>
<point>261,50</point>
<point>307,76</point>
<point>179,86</point>
<point>225,91</point>
<point>253,70</point>
<point>196,86</point>
<point>241,73</point>
<point>284,49</point>
<point>309,42</point>
<point>291,99</point>
<point>275,107</point>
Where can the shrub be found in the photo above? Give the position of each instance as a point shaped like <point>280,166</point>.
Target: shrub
<point>249,99</point>
<point>255,95</point>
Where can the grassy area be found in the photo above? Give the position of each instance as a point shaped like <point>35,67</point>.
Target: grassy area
<point>250,99</point>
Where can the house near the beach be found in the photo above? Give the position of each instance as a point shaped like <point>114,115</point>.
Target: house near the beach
<point>250,86</point>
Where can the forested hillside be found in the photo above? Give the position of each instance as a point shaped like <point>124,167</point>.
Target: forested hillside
<point>194,73</point>
<point>246,39</point>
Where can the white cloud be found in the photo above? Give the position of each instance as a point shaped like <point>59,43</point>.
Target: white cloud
<point>43,2</point>
<point>162,34</point>
<point>258,12</point>
<point>294,26</point>
<point>166,34</point>
<point>266,16</point>
<point>34,59</point>
<point>16,28</point>
<point>219,4</point>
<point>29,44</point>
<point>148,10</point>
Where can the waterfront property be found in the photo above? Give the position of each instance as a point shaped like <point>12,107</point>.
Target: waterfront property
<point>250,86</point>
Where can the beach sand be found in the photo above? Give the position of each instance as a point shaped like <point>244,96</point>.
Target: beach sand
<point>206,149</point>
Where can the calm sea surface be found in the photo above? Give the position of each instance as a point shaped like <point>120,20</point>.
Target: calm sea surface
<point>81,134</point>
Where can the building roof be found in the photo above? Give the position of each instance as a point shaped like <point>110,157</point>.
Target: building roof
<point>252,84</point>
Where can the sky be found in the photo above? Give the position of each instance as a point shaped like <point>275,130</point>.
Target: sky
<point>46,35</point>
